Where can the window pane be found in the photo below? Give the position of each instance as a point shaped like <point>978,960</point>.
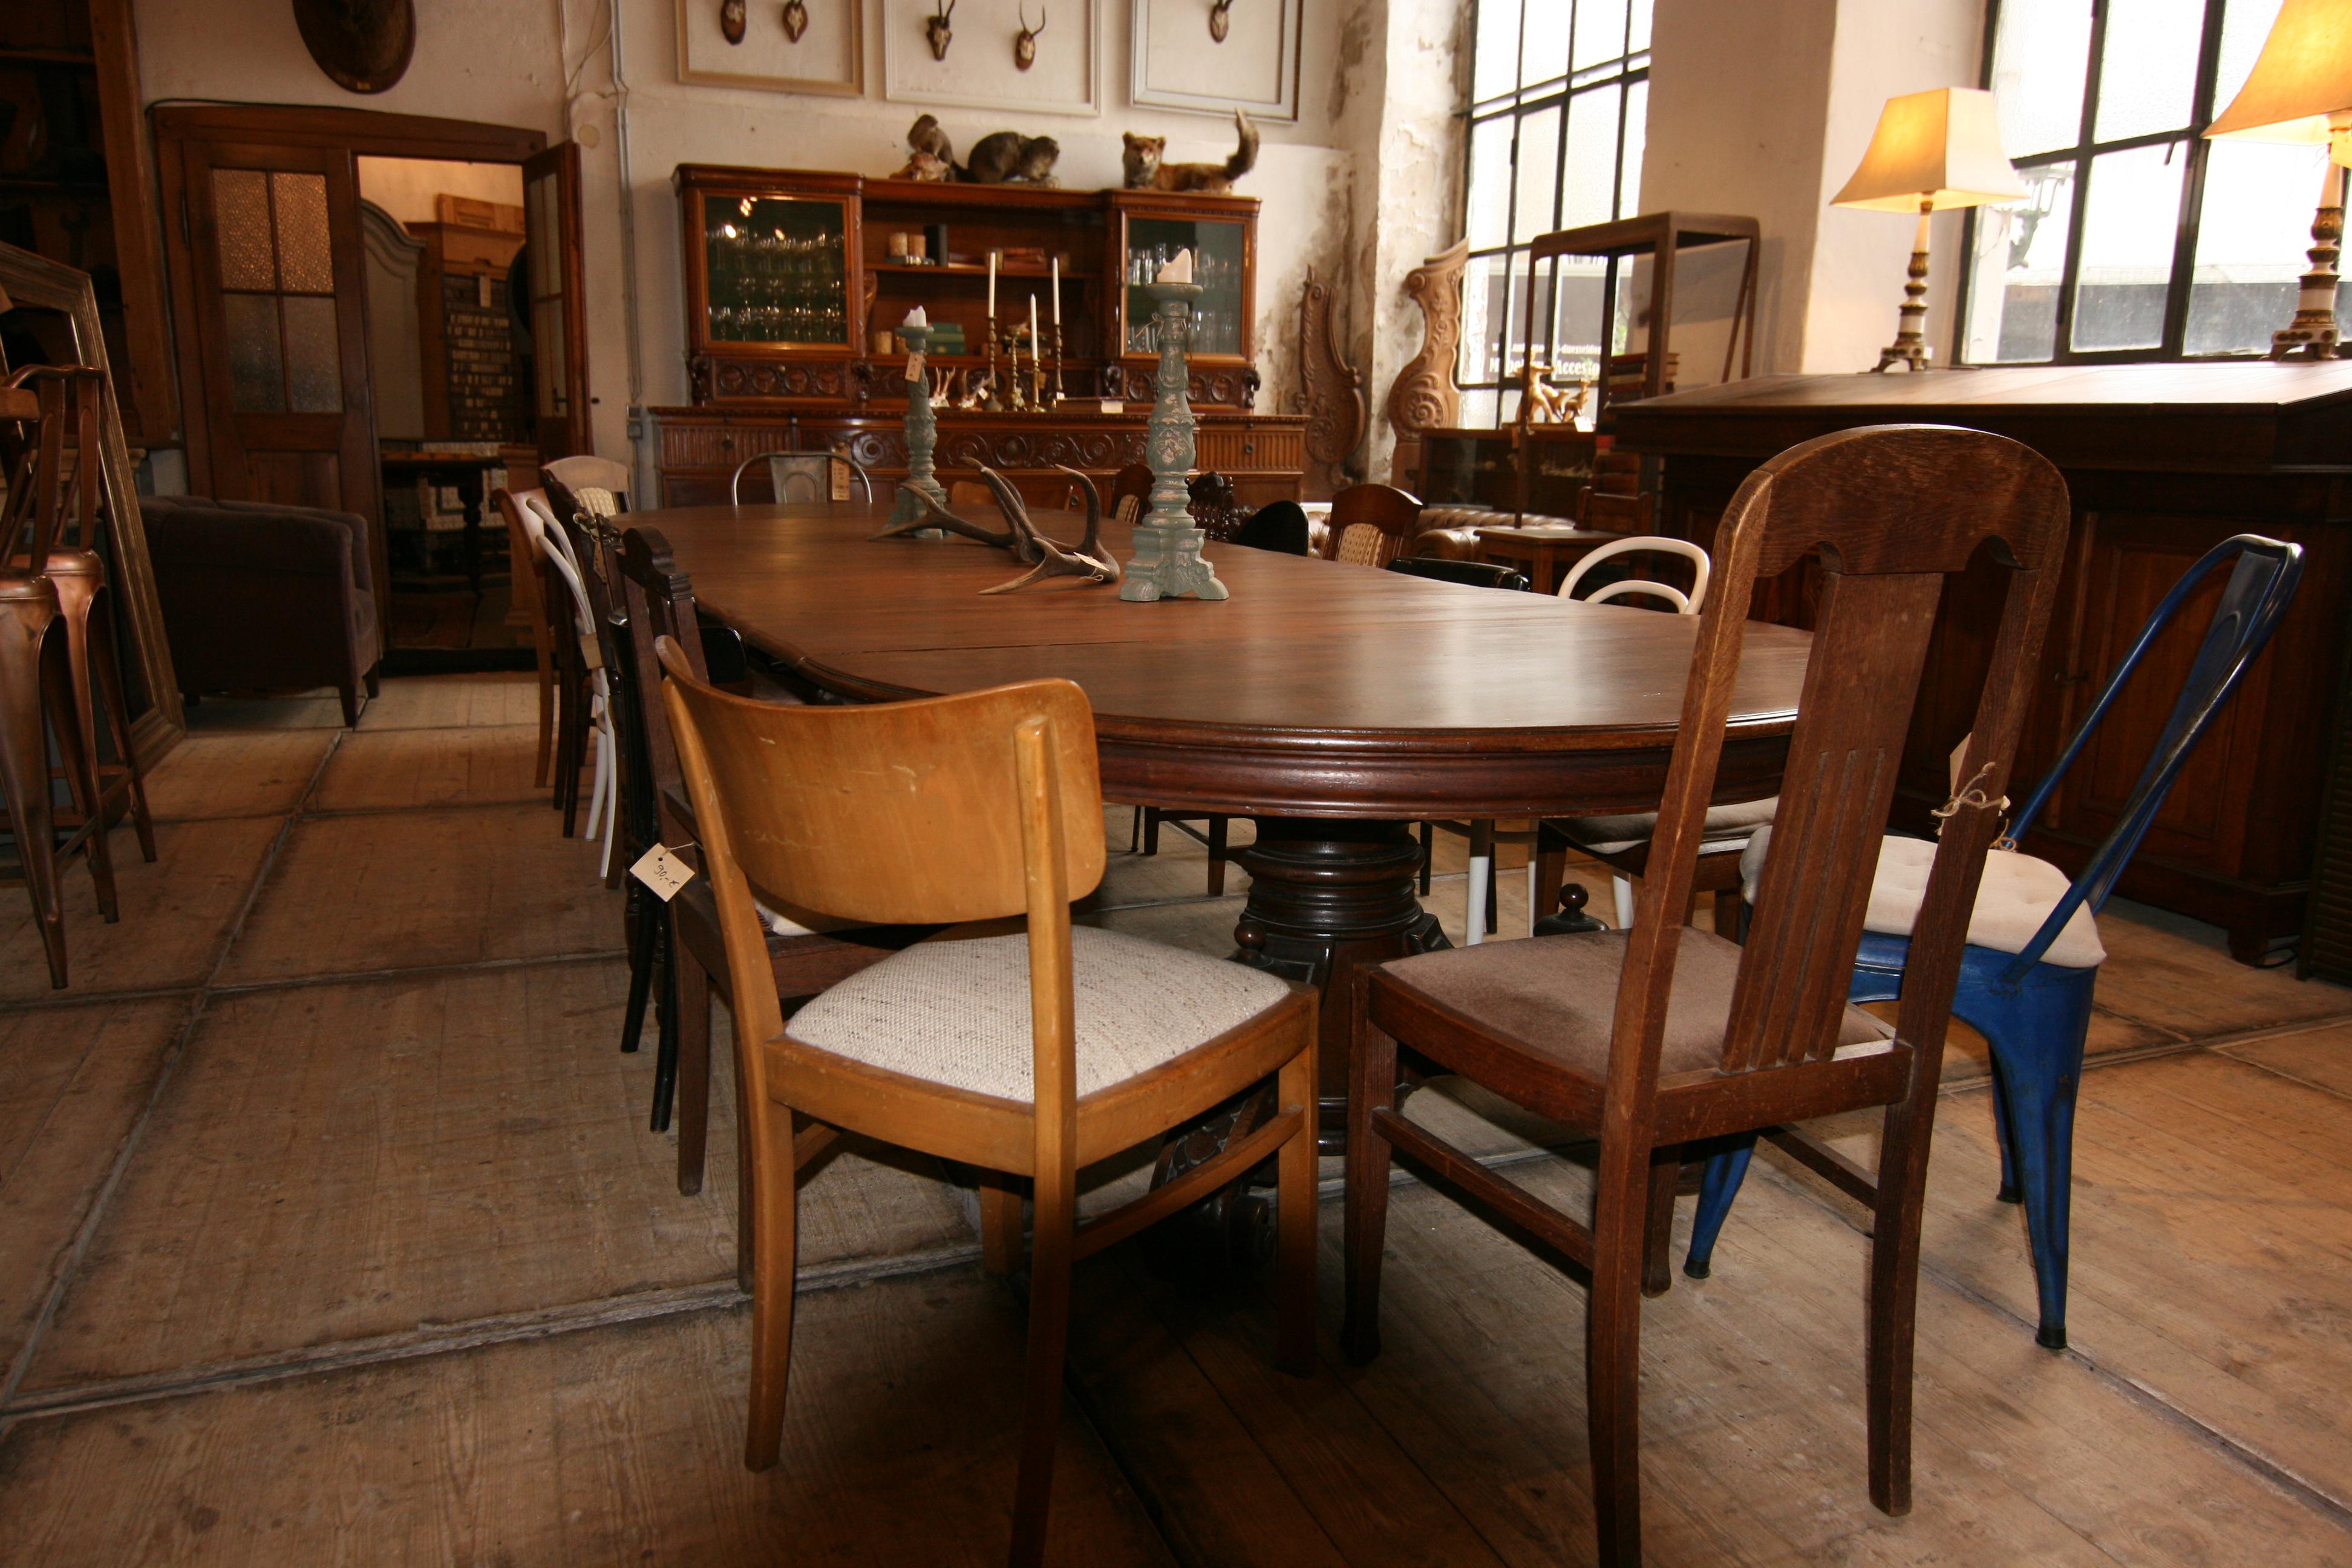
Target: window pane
<point>1538,193</point>
<point>314,375</point>
<point>241,216</point>
<point>2148,70</point>
<point>257,380</point>
<point>2250,238</point>
<point>1484,297</point>
<point>1600,31</point>
<point>1495,62</point>
<point>306,262</point>
<point>1490,183</point>
<point>2244,27</point>
<point>1638,35</point>
<point>1591,191</point>
<point>2129,228</point>
<point>2017,270</point>
<point>2039,66</point>
<point>1637,122</point>
<point>1543,44</point>
<point>1479,410</point>
<point>1576,346</point>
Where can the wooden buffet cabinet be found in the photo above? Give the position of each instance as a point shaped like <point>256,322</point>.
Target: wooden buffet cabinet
<point>2163,461</point>
<point>791,275</point>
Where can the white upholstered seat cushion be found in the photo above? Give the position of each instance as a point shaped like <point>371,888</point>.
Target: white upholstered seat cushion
<point>2016,896</point>
<point>1614,835</point>
<point>957,1012</point>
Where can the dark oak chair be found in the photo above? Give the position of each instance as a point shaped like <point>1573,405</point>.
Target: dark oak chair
<point>1277,526</point>
<point>1662,1037</point>
<point>975,1050</point>
<point>1372,525</point>
<point>2033,953</point>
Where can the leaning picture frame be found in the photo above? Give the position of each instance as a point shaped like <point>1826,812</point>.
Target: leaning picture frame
<point>72,333</point>
<point>1214,59</point>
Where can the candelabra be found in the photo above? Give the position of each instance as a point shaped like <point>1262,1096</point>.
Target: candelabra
<point>1057,363</point>
<point>1168,560</point>
<point>994,399</point>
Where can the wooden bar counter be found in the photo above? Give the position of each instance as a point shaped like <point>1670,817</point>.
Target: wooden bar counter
<point>2163,461</point>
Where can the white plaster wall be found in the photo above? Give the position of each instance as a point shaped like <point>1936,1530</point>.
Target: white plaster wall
<point>546,64</point>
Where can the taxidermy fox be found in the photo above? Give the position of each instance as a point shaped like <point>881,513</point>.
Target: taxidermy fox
<point>1145,172</point>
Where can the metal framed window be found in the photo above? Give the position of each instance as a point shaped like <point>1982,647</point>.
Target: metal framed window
<point>1558,101</point>
<point>2137,239</point>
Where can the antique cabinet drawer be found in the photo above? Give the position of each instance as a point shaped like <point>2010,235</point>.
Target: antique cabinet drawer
<point>1239,451</point>
<point>718,443</point>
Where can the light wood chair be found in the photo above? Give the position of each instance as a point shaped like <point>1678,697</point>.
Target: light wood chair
<point>1026,1056</point>
<point>535,598</point>
<point>569,480</point>
<point>1662,1036</point>
<point>1372,525</point>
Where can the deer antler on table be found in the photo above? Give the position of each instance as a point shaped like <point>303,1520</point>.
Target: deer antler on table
<point>1024,538</point>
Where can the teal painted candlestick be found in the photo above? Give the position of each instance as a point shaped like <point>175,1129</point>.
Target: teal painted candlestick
<point>922,434</point>
<point>1167,560</point>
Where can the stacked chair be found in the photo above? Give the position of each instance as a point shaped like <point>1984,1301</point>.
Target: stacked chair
<point>57,660</point>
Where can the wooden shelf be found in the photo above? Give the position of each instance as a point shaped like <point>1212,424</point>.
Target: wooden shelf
<point>975,269</point>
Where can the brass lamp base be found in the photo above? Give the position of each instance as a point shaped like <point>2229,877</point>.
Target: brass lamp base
<point>1909,348</point>
<point>2312,334</point>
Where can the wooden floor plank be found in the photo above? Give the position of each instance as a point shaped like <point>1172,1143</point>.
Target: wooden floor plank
<point>406,889</point>
<point>383,770</point>
<point>176,913</point>
<point>450,702</point>
<point>2320,1057</point>
<point>2197,991</point>
<point>73,1082</point>
<point>261,774</point>
<point>618,1445</point>
<point>339,1164</point>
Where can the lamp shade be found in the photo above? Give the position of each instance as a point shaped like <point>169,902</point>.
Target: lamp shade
<point>1942,148</point>
<point>2303,76</point>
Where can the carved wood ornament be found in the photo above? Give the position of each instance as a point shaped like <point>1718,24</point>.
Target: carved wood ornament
<point>1424,396</point>
<point>1331,392</point>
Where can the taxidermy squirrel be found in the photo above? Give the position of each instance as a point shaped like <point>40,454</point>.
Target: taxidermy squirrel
<point>1006,156</point>
<point>1145,172</point>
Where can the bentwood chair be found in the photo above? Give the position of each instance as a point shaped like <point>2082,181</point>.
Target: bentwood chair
<point>658,599</point>
<point>799,477</point>
<point>536,599</point>
<point>2033,951</point>
<point>596,486</point>
<point>1027,1055</point>
<point>1622,842</point>
<point>588,717</point>
<point>1654,1038</point>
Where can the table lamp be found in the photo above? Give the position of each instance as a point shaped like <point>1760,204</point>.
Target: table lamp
<point>2300,90</point>
<point>1931,151</point>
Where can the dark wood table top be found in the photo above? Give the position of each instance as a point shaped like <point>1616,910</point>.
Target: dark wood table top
<point>1318,689</point>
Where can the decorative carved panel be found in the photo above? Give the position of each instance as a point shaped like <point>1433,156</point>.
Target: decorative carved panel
<point>1332,396</point>
<point>1232,388</point>
<point>1424,396</point>
<point>719,380</point>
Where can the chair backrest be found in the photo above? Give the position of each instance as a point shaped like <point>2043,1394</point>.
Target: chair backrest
<point>798,478</point>
<point>969,807</point>
<point>1279,526</point>
<point>1470,573</point>
<point>1366,545</point>
<point>526,564</point>
<point>658,599</point>
<point>1685,603</point>
<point>598,487</point>
<point>2262,582</point>
<point>1135,479</point>
<point>1393,511</point>
<point>1895,512</point>
<point>49,487</point>
<point>971,493</point>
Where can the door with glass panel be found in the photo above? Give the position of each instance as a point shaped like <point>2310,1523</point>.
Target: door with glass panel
<point>280,297</point>
<point>558,333</point>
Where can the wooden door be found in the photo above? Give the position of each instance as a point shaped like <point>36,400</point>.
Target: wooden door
<point>559,331</point>
<point>280,327</point>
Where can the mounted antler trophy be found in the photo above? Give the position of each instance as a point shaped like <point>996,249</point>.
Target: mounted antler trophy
<point>1025,42</point>
<point>733,14</point>
<point>795,20</point>
<point>938,30</point>
<point>1090,561</point>
<point>1220,19</point>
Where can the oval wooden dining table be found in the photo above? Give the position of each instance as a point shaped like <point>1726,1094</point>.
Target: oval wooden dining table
<point>1337,705</point>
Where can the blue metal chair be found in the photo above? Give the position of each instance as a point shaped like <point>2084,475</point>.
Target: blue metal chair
<point>2034,1013</point>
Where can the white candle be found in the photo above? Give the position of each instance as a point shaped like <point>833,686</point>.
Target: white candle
<point>1032,326</point>
<point>1179,270</point>
<point>916,317</point>
<point>991,283</point>
<point>1057,293</point>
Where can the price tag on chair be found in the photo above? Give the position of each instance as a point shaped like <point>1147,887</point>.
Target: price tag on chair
<point>662,871</point>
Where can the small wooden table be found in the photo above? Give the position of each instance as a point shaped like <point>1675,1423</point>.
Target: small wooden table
<point>1546,553</point>
<point>1337,707</point>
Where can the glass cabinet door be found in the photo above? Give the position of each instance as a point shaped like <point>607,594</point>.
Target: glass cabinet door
<point>1217,249</point>
<point>775,271</point>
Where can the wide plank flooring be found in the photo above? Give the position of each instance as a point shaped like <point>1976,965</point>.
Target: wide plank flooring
<point>331,1231</point>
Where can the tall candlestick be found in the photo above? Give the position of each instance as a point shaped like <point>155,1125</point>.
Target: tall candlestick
<point>1034,339</point>
<point>1057,295</point>
<point>991,283</point>
<point>1168,560</point>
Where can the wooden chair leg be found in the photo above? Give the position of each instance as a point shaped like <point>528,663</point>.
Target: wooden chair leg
<point>1053,1242</point>
<point>1550,871</point>
<point>1000,1222</point>
<point>374,680</point>
<point>666,1048</point>
<point>350,692</point>
<point>1217,826</point>
<point>1728,905</point>
<point>108,669</point>
<point>1297,1214</point>
<point>25,770</point>
<point>66,698</point>
<point>692,1025</point>
<point>1428,853</point>
<point>1658,1229</point>
<point>1895,1292</point>
<point>640,921</point>
<point>1613,1371</point>
<point>1372,1086</point>
<point>1151,830</point>
<point>544,759</point>
<point>775,1263</point>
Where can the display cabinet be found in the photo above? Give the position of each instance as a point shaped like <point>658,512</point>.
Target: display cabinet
<point>1148,231</point>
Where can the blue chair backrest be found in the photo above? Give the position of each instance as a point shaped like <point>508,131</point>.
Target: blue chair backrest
<point>2260,585</point>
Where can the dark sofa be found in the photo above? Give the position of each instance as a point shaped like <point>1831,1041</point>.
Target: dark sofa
<point>256,595</point>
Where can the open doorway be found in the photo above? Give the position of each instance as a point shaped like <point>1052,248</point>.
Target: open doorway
<point>378,314</point>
